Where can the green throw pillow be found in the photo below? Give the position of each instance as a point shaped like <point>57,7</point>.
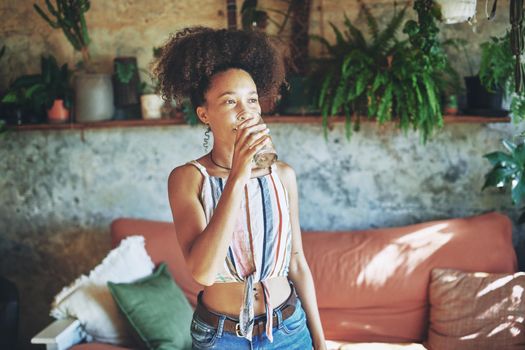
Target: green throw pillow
<point>157,310</point>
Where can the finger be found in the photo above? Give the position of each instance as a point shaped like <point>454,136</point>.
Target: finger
<point>259,143</point>
<point>253,138</point>
<point>257,147</point>
<point>246,122</point>
<point>250,121</point>
<point>244,134</point>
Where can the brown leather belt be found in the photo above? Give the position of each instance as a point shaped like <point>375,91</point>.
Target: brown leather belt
<point>231,325</point>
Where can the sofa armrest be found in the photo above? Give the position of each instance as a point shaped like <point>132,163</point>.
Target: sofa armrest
<point>60,335</point>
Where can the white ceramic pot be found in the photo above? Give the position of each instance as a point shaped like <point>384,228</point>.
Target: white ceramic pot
<point>151,106</point>
<point>93,97</point>
<point>457,11</point>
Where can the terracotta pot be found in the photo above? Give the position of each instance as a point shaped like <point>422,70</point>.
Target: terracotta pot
<point>58,113</point>
<point>451,110</point>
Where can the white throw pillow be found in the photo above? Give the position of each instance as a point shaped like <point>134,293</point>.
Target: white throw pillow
<point>88,298</point>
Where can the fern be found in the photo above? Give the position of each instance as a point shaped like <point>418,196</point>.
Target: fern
<point>389,78</point>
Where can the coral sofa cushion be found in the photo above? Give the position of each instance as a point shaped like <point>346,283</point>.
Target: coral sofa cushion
<point>162,245</point>
<point>476,310</point>
<point>373,285</point>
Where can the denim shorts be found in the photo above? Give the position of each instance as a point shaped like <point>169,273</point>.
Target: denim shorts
<point>290,334</point>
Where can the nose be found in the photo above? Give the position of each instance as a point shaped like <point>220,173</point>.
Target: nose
<point>244,110</point>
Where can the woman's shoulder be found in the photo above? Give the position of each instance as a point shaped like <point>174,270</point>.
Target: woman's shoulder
<point>186,173</point>
<point>286,173</point>
<point>284,169</point>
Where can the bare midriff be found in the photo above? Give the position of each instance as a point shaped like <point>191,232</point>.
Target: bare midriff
<point>226,298</point>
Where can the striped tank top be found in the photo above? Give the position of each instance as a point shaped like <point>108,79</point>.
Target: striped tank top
<point>262,239</point>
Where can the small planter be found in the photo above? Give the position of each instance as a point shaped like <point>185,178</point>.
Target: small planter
<point>297,100</point>
<point>457,11</point>
<point>126,81</point>
<point>451,105</point>
<point>151,106</point>
<point>14,114</point>
<point>93,97</point>
<point>482,102</point>
<point>58,113</point>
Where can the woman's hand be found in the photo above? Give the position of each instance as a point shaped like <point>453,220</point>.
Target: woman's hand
<point>249,140</point>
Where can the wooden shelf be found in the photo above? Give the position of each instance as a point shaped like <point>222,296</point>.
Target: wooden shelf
<point>290,119</point>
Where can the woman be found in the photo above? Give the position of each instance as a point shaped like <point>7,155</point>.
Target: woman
<point>238,226</point>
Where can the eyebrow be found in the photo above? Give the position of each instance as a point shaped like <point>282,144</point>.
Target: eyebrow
<point>233,93</point>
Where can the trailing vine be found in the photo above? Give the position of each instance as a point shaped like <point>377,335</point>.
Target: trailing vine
<point>516,40</point>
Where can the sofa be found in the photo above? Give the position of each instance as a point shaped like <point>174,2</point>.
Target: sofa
<point>372,285</point>
<point>9,306</point>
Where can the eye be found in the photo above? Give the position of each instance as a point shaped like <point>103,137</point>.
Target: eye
<point>230,101</point>
<point>252,100</point>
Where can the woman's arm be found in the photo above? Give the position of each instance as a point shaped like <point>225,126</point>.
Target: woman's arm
<point>204,246</point>
<point>299,272</point>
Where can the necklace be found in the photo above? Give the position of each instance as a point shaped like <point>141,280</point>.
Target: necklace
<point>220,166</point>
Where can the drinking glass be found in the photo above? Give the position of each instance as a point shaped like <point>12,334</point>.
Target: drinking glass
<point>267,155</point>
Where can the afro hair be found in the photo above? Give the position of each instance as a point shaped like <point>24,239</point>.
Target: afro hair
<point>190,58</point>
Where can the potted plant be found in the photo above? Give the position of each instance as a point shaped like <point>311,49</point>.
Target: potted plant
<point>93,91</point>
<point>496,76</point>
<point>126,85</point>
<point>22,103</point>
<point>388,78</point>
<point>451,105</point>
<point>508,172</point>
<point>351,66</point>
<point>57,89</point>
<point>485,91</point>
<point>152,104</point>
<point>50,91</point>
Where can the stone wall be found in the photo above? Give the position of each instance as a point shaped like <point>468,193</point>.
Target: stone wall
<point>60,189</point>
<point>124,28</point>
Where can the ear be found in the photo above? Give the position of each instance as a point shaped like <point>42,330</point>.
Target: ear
<point>201,114</point>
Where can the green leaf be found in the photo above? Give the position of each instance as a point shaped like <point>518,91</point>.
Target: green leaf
<point>519,154</point>
<point>518,190</point>
<point>389,33</point>
<point>371,21</point>
<point>125,71</point>
<point>498,177</point>
<point>500,159</point>
<point>10,97</point>
<point>355,34</point>
<point>509,145</point>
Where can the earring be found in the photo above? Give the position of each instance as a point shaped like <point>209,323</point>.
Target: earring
<point>206,142</point>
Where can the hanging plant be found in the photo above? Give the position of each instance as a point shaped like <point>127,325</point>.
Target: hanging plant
<point>387,78</point>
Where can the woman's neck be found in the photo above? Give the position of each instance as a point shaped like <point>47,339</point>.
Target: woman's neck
<point>221,157</point>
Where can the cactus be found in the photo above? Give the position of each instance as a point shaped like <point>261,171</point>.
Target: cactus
<point>69,16</point>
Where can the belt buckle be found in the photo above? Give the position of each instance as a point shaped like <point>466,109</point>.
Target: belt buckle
<point>238,330</point>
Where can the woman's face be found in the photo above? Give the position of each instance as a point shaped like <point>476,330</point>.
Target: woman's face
<point>231,94</point>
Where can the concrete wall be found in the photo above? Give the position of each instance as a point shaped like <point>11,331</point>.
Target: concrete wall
<point>60,189</point>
